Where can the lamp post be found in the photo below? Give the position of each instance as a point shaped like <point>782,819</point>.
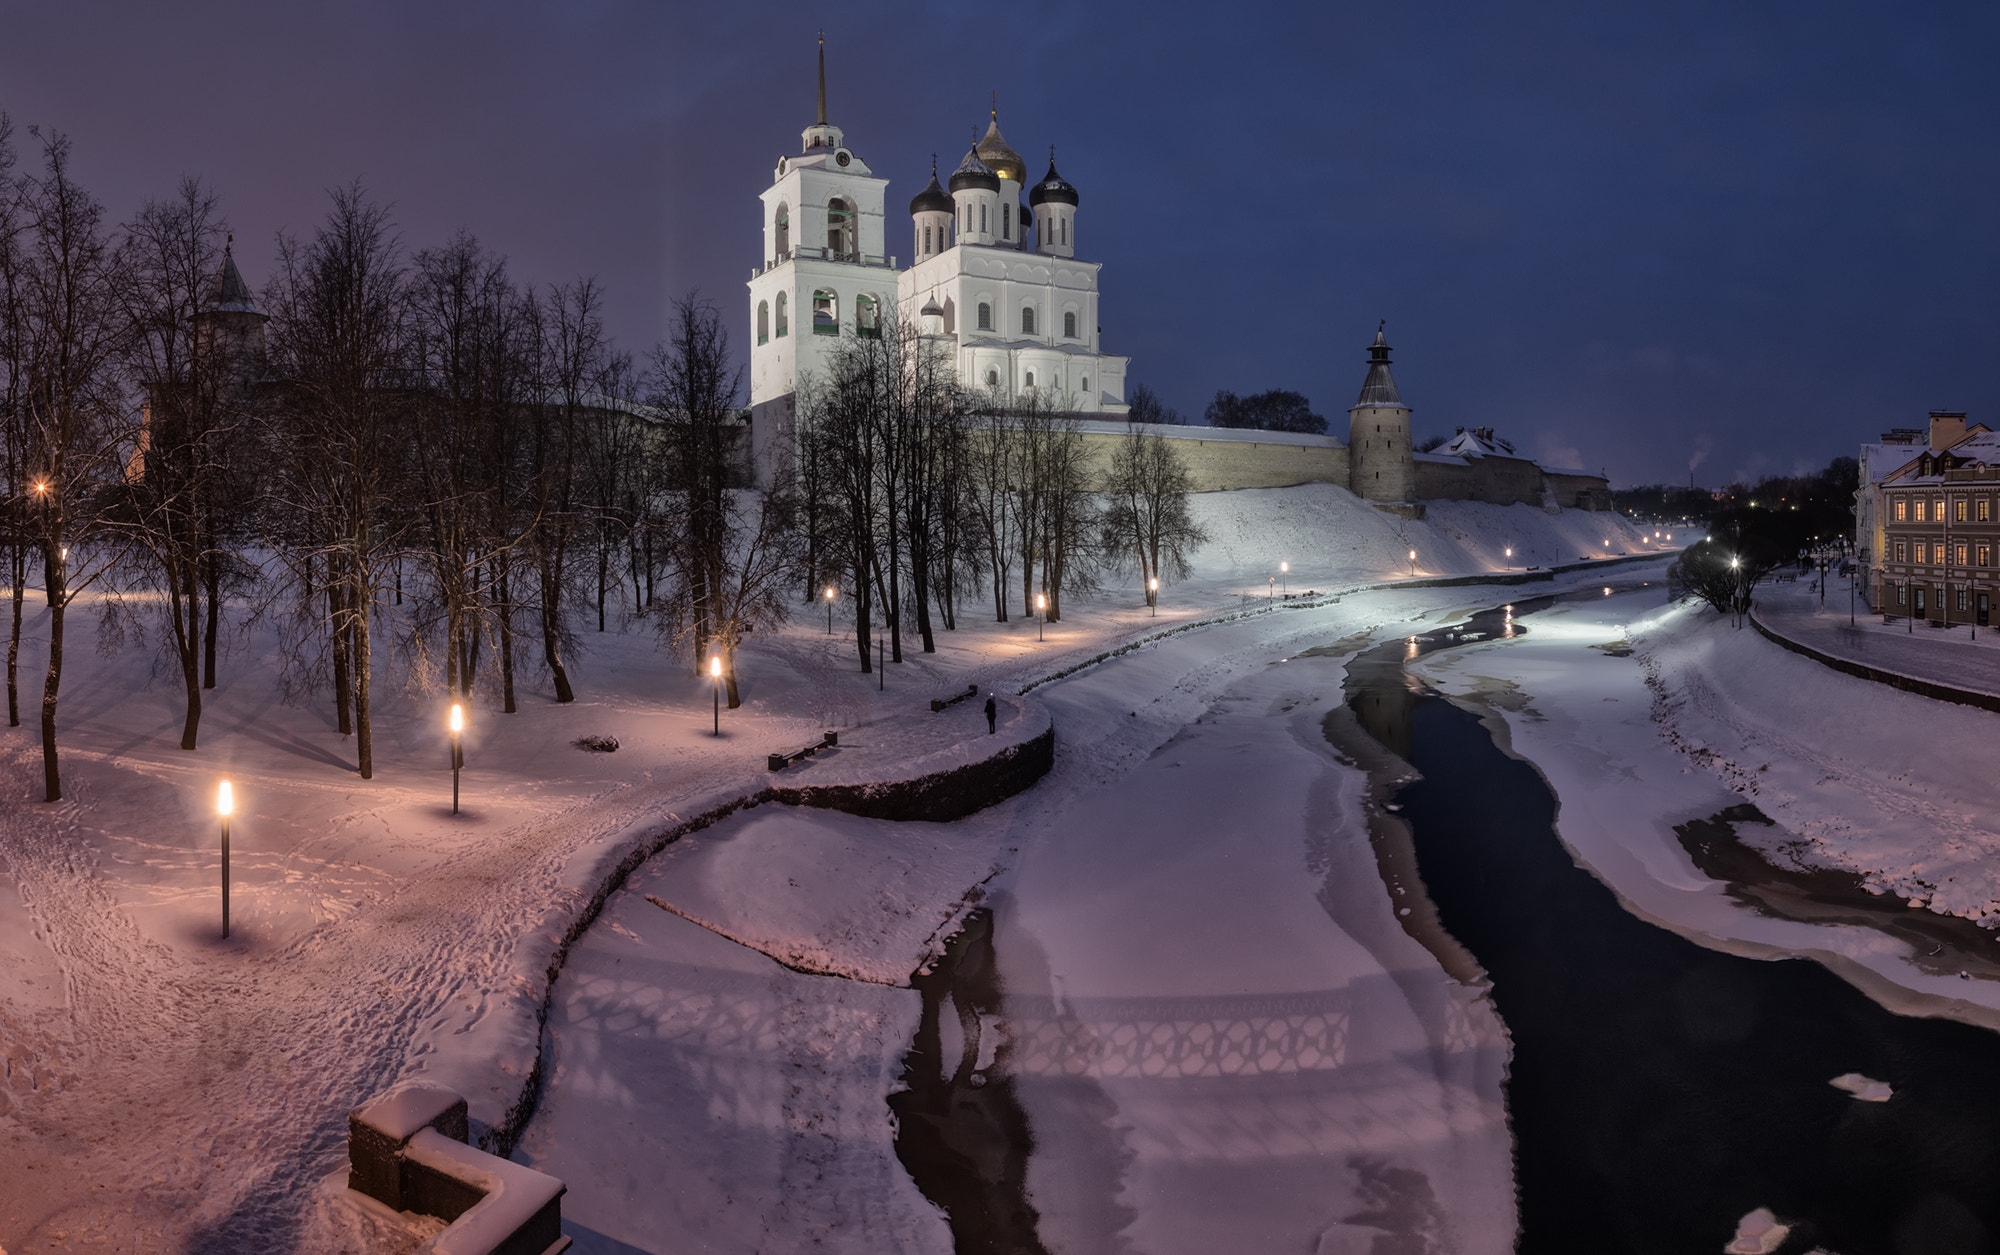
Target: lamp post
<point>1285,577</point>
<point>225,804</point>
<point>1153,595</point>
<point>1736,603</point>
<point>881,667</point>
<point>457,750</point>
<point>1510,557</point>
<point>1413,562</point>
<point>829,610</point>
<point>1041,605</point>
<point>1270,588</point>
<point>715,682</point>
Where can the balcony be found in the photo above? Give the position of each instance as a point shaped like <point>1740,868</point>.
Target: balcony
<point>826,254</point>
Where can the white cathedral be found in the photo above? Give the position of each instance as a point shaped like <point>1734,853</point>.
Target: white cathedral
<point>996,278</point>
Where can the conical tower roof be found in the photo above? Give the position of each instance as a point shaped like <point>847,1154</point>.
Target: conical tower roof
<point>1378,391</point>
<point>231,295</point>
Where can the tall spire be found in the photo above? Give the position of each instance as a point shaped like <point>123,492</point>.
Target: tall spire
<point>822,78</point>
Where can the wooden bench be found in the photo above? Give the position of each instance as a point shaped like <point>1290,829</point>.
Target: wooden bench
<point>940,703</point>
<point>778,762</point>
<point>407,1149</point>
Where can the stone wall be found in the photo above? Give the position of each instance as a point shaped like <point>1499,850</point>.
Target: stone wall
<point>1492,478</point>
<point>1220,460</point>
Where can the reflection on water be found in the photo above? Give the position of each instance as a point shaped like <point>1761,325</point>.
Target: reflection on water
<point>1660,1090</point>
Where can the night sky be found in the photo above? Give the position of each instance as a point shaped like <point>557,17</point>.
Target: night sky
<point>1747,236</point>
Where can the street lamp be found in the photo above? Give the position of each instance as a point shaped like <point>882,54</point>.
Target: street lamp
<point>715,675</point>
<point>1284,575</point>
<point>1510,555</point>
<point>1413,562</point>
<point>457,750</point>
<point>1270,588</point>
<point>829,610</point>
<point>1153,595</point>
<point>1041,605</point>
<point>225,804</point>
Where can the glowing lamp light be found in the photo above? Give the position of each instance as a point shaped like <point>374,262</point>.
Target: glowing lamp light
<point>715,668</point>
<point>457,718</point>
<point>1040,601</point>
<point>41,485</point>
<point>1285,567</point>
<point>225,800</point>
<point>1153,585</point>
<point>829,593</point>
<point>1413,555</point>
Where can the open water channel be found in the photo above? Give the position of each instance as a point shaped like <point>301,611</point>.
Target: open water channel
<point>1659,1089</point>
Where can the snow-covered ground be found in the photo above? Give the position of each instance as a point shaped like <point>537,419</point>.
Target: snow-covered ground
<point>1857,776</point>
<point>165,1090</point>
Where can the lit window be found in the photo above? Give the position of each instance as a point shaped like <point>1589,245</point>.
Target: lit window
<point>1937,553</point>
<point>1958,510</point>
<point>1985,555</point>
<point>1902,510</point>
<point>1920,509</point>
<point>1902,551</point>
<point>1959,554</point>
<point>1939,503</point>
<point>1986,509</point>
<point>985,316</point>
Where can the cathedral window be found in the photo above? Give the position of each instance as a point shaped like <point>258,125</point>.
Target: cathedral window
<point>1031,379</point>
<point>1069,325</point>
<point>927,241</point>
<point>1027,320</point>
<point>868,317</point>
<point>1065,229</point>
<point>992,378</point>
<point>763,321</point>
<point>1006,222</point>
<point>781,232</point>
<point>784,323</point>
<point>1086,383</point>
<point>840,230</point>
<point>982,220</point>
<point>985,316</point>
<point>826,313</point>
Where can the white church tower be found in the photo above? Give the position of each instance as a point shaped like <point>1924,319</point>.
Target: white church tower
<point>826,274</point>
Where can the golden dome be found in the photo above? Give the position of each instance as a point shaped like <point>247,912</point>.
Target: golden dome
<point>998,157</point>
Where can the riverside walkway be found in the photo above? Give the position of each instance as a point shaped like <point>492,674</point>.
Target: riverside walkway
<point>1957,664</point>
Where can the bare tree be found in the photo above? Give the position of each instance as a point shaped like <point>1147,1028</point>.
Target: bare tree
<point>338,313</point>
<point>76,412</point>
<point>573,353</point>
<point>14,529</point>
<point>1146,519</point>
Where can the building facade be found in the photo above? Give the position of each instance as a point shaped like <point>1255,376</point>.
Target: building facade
<point>1928,534</point>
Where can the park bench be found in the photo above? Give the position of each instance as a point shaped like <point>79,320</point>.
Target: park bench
<point>778,762</point>
<point>939,703</point>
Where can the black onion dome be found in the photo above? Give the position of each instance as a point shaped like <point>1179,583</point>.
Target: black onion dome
<point>1053,187</point>
<point>974,173</point>
<point>933,199</point>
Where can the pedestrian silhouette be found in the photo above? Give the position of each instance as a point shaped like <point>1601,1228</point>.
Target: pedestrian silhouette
<point>992,714</point>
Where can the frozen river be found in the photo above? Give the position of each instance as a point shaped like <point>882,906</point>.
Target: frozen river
<point>1204,1001</point>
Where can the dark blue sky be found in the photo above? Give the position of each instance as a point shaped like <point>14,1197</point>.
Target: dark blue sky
<point>1628,237</point>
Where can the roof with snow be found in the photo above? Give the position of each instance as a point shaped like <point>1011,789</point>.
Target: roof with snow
<point>231,295</point>
<point>1478,442</point>
<point>1378,391</point>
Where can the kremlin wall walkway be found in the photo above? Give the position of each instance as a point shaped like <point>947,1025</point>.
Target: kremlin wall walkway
<point>1956,664</point>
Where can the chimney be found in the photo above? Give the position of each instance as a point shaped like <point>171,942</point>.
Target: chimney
<point>1947,429</point>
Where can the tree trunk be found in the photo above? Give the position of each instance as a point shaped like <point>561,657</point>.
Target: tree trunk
<point>342,634</point>
<point>364,731</point>
<point>52,684</point>
<point>603,572</point>
<point>187,642</point>
<point>20,576</point>
<point>552,626</point>
<point>212,561</point>
<point>500,587</point>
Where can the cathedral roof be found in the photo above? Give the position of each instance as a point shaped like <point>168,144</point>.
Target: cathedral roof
<point>933,199</point>
<point>1379,389</point>
<point>1052,187</point>
<point>972,172</point>
<point>230,294</point>
<point>931,309</point>
<point>998,156</point>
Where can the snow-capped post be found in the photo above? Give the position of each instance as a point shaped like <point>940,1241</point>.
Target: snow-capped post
<point>225,802</point>
<point>1153,595</point>
<point>715,675</point>
<point>1285,578</point>
<point>1041,605</point>
<point>457,750</point>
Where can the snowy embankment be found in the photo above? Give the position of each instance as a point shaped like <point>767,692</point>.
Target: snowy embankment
<point>377,936</point>
<point>1856,776</point>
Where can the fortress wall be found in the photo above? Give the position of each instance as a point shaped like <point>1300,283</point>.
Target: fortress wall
<point>1221,460</point>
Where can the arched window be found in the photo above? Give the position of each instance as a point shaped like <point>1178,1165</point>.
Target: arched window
<point>1027,320</point>
<point>1006,222</point>
<point>784,323</point>
<point>840,229</point>
<point>985,316</point>
<point>763,321</point>
<point>868,317</point>
<point>1086,385</point>
<point>1065,229</point>
<point>927,241</point>
<point>992,378</point>
<point>781,231</point>
<point>1031,379</point>
<point>982,220</point>
<point>1069,324</point>
<point>826,313</point>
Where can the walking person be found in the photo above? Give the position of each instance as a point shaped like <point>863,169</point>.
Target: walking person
<point>992,715</point>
